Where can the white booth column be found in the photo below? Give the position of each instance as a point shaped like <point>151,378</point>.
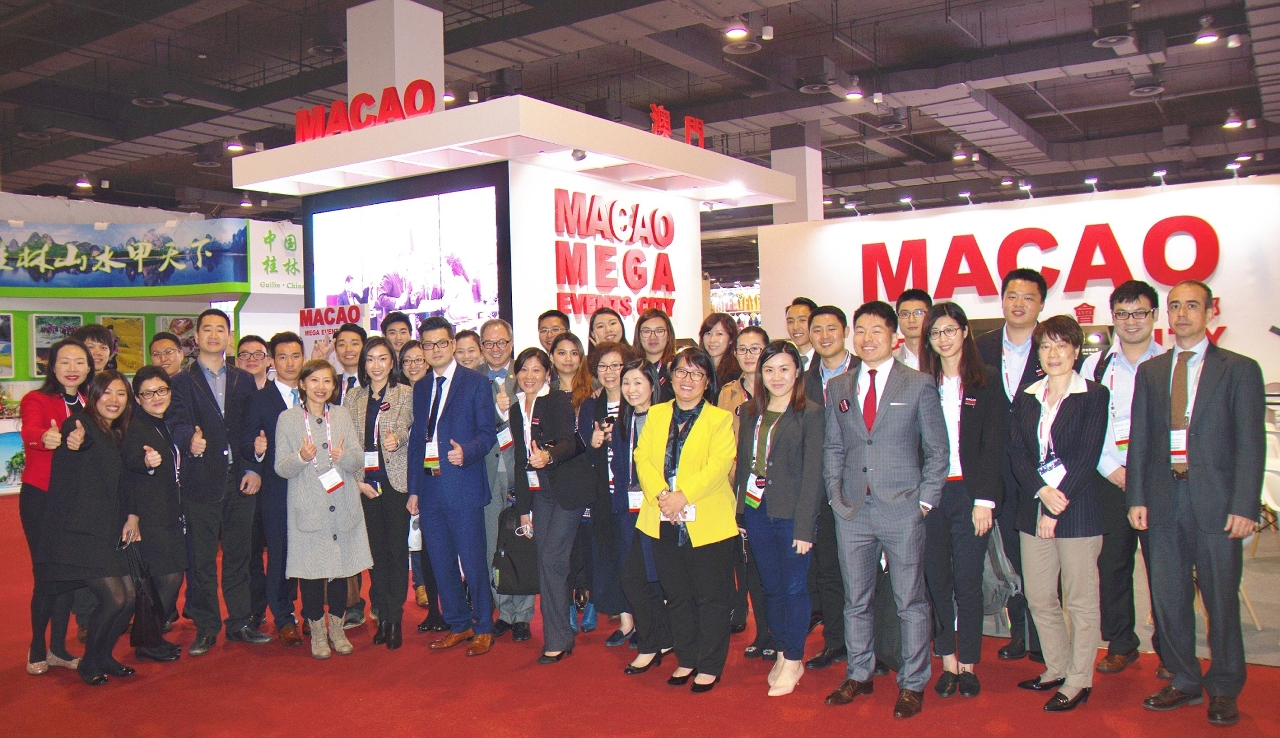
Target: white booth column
<point>391,43</point>
<point>796,149</point>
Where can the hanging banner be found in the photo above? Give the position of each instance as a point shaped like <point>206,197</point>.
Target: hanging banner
<point>276,262</point>
<point>124,259</point>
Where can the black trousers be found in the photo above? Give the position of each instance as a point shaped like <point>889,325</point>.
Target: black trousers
<point>258,566</point>
<point>386,519</point>
<point>1115,577</point>
<point>646,600</point>
<point>698,581</point>
<point>953,562</point>
<point>314,597</point>
<point>229,523</point>
<point>746,579</point>
<point>826,584</point>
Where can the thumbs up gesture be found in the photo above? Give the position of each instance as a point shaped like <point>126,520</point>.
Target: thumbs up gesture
<point>75,437</point>
<point>308,450</point>
<point>151,457</point>
<point>335,451</point>
<point>52,438</point>
<point>503,400</point>
<point>260,443</point>
<point>538,458</point>
<point>389,442</point>
<point>598,436</point>
<point>198,443</point>
<point>455,454</point>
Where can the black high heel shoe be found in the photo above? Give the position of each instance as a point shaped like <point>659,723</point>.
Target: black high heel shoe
<point>680,681</point>
<point>1059,703</point>
<point>115,668</point>
<point>655,661</point>
<point>1035,685</point>
<point>701,688</point>
<point>92,678</point>
<point>549,659</point>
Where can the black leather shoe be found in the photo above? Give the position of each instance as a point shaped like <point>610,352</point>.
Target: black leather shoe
<point>752,651</point>
<point>438,624</point>
<point>521,632</point>
<point>815,619</point>
<point>881,668</point>
<point>202,644</point>
<point>117,669</point>
<point>92,678</point>
<point>826,657</point>
<point>395,637</point>
<point>1171,698</point>
<point>1222,711</point>
<point>1015,649</point>
<point>1035,685</point>
<point>1036,656</point>
<point>618,638</point>
<point>769,653</point>
<point>248,634</point>
<point>969,686</point>
<point>501,628</point>
<point>696,688</point>
<point>380,635</point>
<point>1059,702</point>
<point>656,661</point>
<point>947,684</point>
<point>257,619</point>
<point>168,623</point>
<point>161,654</point>
<point>546,658</point>
<point>680,681</point>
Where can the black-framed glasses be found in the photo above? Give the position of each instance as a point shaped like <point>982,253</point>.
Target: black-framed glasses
<point>693,374</point>
<point>950,332</point>
<point>157,392</point>
<point>255,355</point>
<point>428,345</point>
<point>490,345</point>
<point>749,350</point>
<point>609,367</point>
<point>917,313</point>
<point>653,332</point>
<point>1135,314</point>
<point>413,362</point>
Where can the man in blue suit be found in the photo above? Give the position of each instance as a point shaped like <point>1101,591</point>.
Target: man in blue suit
<point>453,430</point>
<point>258,447</point>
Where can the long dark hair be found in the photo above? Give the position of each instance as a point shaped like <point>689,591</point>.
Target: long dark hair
<point>728,369</point>
<point>971,373</point>
<point>395,377</point>
<point>581,388</point>
<point>760,400</point>
<point>696,358</point>
<point>625,410</point>
<point>669,351</point>
<point>591,324</point>
<point>101,381</point>
<point>51,384</point>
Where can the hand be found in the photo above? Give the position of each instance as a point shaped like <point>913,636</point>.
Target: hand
<point>322,348</point>
<point>335,451</point>
<point>1117,477</point>
<point>76,437</point>
<point>526,521</point>
<point>1053,499</point>
<point>367,490</point>
<point>672,505</point>
<point>1044,529</point>
<point>412,504</point>
<point>1138,518</point>
<point>981,520</point>
<point>390,443</point>
<point>198,443</point>
<point>250,483</point>
<point>260,443</point>
<point>802,547</point>
<point>598,436</point>
<point>1238,527</point>
<point>130,533</point>
<point>539,458</point>
<point>308,450</point>
<point>52,438</point>
<point>151,457</point>
<point>924,511</point>
<point>503,400</point>
<point>455,455</point>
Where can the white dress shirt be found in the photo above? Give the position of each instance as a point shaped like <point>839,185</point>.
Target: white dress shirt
<point>1013,362</point>
<point>527,417</point>
<point>1119,377</point>
<point>444,391</point>
<point>288,394</point>
<point>864,382</point>
<point>1194,364</point>
<point>952,396</point>
<point>904,355</point>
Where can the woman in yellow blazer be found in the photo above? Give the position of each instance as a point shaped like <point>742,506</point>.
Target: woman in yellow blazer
<point>682,458</point>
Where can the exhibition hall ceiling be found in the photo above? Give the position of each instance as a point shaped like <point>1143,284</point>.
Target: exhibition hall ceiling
<point>145,94</point>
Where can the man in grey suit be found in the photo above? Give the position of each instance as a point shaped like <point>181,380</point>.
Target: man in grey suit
<point>514,611</point>
<point>884,463</point>
<point>1197,451</point>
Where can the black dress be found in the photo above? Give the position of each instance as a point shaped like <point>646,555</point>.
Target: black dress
<point>80,533</point>
<point>153,494</point>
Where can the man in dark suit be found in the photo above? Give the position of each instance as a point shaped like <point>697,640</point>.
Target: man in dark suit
<point>219,491</point>
<point>1198,451</point>
<point>258,447</point>
<point>454,428</point>
<point>885,460</point>
<point>1009,350</point>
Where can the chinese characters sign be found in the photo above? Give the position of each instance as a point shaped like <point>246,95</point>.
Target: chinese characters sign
<point>661,118</point>
<point>275,258</point>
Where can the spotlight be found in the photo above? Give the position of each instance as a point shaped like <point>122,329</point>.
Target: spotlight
<point>738,30</point>
<point>1233,165</point>
<point>1233,41</point>
<point>448,95</point>
<point>234,145</point>
<point>967,196</point>
<point>850,205</point>
<point>906,200</point>
<point>1161,174</point>
<point>1234,168</point>
<point>245,202</point>
<point>766,33</point>
<point>1025,186</point>
<point>1206,34</point>
<point>855,90</point>
<point>1233,119</point>
<point>1006,182</point>
<point>473,96</point>
<point>1092,182</point>
<point>959,154</point>
<point>1244,157</point>
<point>578,154</point>
<point>83,182</point>
<point>826,201</point>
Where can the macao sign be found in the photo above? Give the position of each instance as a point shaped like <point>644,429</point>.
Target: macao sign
<point>342,117</point>
<point>611,224</point>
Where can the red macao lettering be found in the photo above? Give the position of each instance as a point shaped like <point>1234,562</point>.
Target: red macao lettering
<point>598,222</point>
<point>353,314</point>
<point>411,93</point>
<point>564,302</point>
<point>328,316</point>
<point>964,250</point>
<point>624,306</point>
<point>621,219</point>
<point>634,272</point>
<point>662,279</point>
<point>1014,243</point>
<point>1215,334</point>
<point>389,108</point>
<point>664,227</point>
<point>1097,238</point>
<point>1207,249</point>
<point>912,259</point>
<point>643,232</point>
<point>605,267</point>
<point>358,118</point>
<point>571,264</point>
<point>571,214</point>
<point>309,124</point>
<point>338,122</point>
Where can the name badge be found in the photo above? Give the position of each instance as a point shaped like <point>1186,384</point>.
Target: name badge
<point>331,480</point>
<point>534,484</point>
<point>371,461</point>
<point>1178,446</point>
<point>1121,429</point>
<point>431,460</point>
<point>1052,472</point>
<point>504,438</point>
<point>687,515</point>
<point>635,498</point>
<point>755,490</point>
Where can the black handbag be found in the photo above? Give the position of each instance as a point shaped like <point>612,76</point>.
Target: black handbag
<point>148,612</point>
<point>515,562</point>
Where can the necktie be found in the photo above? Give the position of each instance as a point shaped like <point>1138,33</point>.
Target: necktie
<point>435,409</point>
<point>296,398</point>
<point>869,406</point>
<point>1178,398</point>
<point>351,382</point>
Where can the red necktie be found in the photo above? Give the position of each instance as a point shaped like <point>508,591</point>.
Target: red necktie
<point>869,406</point>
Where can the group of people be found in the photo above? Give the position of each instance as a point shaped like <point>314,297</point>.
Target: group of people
<point>667,488</point>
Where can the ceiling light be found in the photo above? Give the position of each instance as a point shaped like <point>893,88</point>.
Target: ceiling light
<point>234,146</point>
<point>826,201</point>
<point>473,97</point>
<point>448,95</point>
<point>35,135</point>
<point>766,33</point>
<point>1091,181</point>
<point>206,163</point>
<point>904,199</point>
<point>1233,165</point>
<point>850,205</point>
<point>105,184</point>
<point>1233,41</point>
<point>578,154</point>
<point>959,154</point>
<point>741,48</point>
<point>968,196</point>
<point>1206,34</point>
<point>1006,182</point>
<point>245,202</point>
<point>877,98</point>
<point>1251,124</point>
<point>1159,173</point>
<point>83,182</point>
<point>966,193</point>
<point>202,56</point>
<point>150,102</point>
<point>855,89</point>
<point>1233,119</point>
<point>1244,157</point>
<point>738,30</point>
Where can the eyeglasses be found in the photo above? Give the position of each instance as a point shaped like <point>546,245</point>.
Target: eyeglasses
<point>653,332</point>
<point>1135,314</point>
<point>255,355</point>
<point>551,330</point>
<point>413,362</point>
<point>917,313</point>
<point>157,392</point>
<point>490,345</point>
<point>748,350</point>
<point>693,374</point>
<point>441,345</point>
<point>950,332</point>
<point>165,353</point>
<point>609,367</point>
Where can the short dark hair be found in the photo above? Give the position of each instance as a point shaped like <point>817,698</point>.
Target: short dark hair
<point>396,317</point>
<point>656,314</point>
<point>600,350</point>
<point>1132,290</point>
<point>1208,293</point>
<point>159,336</point>
<point>96,333</point>
<point>915,294</point>
<point>468,334</point>
<point>879,309</point>
<point>1058,328</point>
<point>701,360</point>
<point>214,312</point>
<point>555,314</point>
<point>351,328</point>
<point>51,385</point>
<point>316,365</point>
<point>362,375</point>
<point>760,399</point>
<point>533,352</point>
<point>149,371</point>
<point>435,323</point>
<point>251,338</point>
<point>1026,275</point>
<point>831,310</point>
<point>754,330</point>
<point>284,338</point>
<point>802,302</point>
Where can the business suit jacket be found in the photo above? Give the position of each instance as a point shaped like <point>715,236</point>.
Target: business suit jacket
<point>903,460</point>
<point>1078,433</point>
<point>703,473</point>
<point>265,406</point>
<point>983,433</point>
<point>502,476</point>
<point>552,428</point>
<point>153,494</point>
<point>398,420</point>
<point>1226,444</point>
<point>84,512</point>
<point>467,417</point>
<point>991,349</point>
<point>793,483</point>
<point>204,477</point>
<point>813,377</point>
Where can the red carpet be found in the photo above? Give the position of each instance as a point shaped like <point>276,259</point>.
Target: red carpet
<point>241,690</point>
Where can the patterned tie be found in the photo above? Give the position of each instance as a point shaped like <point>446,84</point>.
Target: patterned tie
<point>435,409</point>
<point>869,407</point>
<point>1178,398</point>
<point>296,398</point>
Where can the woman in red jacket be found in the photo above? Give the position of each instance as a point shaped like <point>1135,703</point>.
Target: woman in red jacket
<point>43,412</point>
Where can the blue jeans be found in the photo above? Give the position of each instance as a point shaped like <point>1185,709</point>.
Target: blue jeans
<point>784,574</point>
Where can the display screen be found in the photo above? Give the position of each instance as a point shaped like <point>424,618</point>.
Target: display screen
<point>434,255</point>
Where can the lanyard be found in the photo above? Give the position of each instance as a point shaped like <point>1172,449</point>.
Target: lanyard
<point>848,357</point>
<point>328,436</point>
<point>67,406</point>
<point>528,428</point>
<point>1010,388</point>
<point>1193,384</point>
<point>1045,430</point>
<point>768,439</point>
